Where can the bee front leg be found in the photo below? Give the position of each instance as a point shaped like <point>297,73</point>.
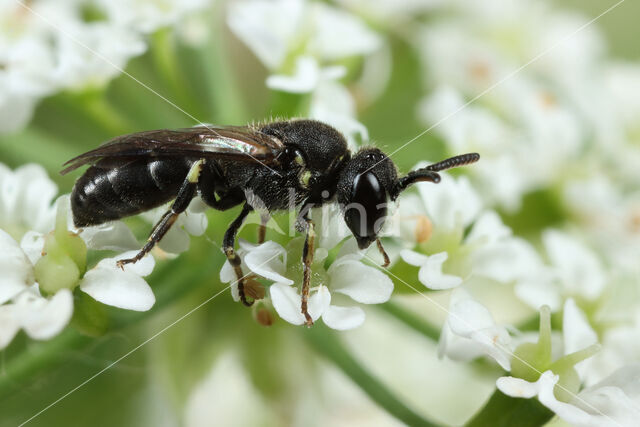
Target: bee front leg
<point>185,195</point>
<point>229,251</point>
<point>307,260</point>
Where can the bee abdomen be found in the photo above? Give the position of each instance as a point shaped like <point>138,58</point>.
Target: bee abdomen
<point>111,190</point>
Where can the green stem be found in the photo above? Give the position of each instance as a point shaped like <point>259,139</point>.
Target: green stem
<point>96,106</point>
<point>225,97</point>
<point>328,345</point>
<point>412,320</point>
<point>504,411</point>
<point>168,64</point>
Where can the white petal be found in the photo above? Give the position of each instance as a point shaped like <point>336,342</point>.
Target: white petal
<point>451,204</point>
<point>193,222</point>
<point>175,241</point>
<point>235,292</point>
<point>361,282</point>
<point>32,244</point>
<point>339,34</point>
<point>488,229</point>
<point>266,27</point>
<point>495,342</point>
<point>9,324</point>
<point>413,258</point>
<point>124,289</point>
<point>617,397</point>
<point>268,260</point>
<point>45,319</point>
<point>577,332</point>
<point>287,302</point>
<point>431,274</point>
<point>17,270</point>
<point>517,387</point>
<point>319,302</point>
<point>113,236</point>
<point>467,316</point>
<point>566,411</point>
<point>538,290</point>
<point>305,77</point>
<point>505,261</point>
<point>579,268</point>
<point>343,318</point>
<point>227,273</point>
<point>30,197</point>
<point>144,267</point>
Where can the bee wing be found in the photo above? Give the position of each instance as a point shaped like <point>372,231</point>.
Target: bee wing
<point>238,143</point>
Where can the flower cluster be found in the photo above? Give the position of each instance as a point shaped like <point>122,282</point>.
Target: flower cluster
<point>44,258</point>
<point>306,46</point>
<point>333,289</point>
<point>48,46</point>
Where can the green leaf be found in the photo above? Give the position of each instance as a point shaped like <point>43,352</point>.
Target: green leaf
<point>505,411</point>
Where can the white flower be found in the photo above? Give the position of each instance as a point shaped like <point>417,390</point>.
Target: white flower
<point>470,332</point>
<point>543,367</point>
<point>430,273</point>
<point>40,272</point>
<point>346,280</point>
<point>21,305</point>
<point>614,402</point>
<point>332,103</point>
<point>147,16</point>
<point>451,204</point>
<point>48,46</point>
<point>41,318</point>
<point>347,276</point>
<point>272,29</point>
<point>26,197</point>
<point>574,270</point>
<point>123,288</point>
<point>489,249</point>
<point>306,77</point>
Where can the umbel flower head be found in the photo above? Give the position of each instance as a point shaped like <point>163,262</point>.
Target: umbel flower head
<point>43,266</point>
<point>347,278</point>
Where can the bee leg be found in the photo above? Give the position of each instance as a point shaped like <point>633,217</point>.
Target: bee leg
<point>262,231</point>
<point>307,259</point>
<point>186,193</point>
<point>234,260</point>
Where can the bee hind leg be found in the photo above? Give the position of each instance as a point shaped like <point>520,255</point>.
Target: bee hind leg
<point>180,204</point>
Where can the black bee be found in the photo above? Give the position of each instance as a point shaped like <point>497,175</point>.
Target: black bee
<point>261,167</point>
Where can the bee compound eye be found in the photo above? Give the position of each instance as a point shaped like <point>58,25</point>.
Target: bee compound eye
<point>367,208</point>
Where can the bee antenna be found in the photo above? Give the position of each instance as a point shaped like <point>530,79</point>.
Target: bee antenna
<point>430,173</point>
<point>454,162</point>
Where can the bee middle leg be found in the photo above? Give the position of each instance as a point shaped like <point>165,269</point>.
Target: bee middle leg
<point>229,251</point>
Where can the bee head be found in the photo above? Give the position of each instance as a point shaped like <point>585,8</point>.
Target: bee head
<point>365,185</point>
